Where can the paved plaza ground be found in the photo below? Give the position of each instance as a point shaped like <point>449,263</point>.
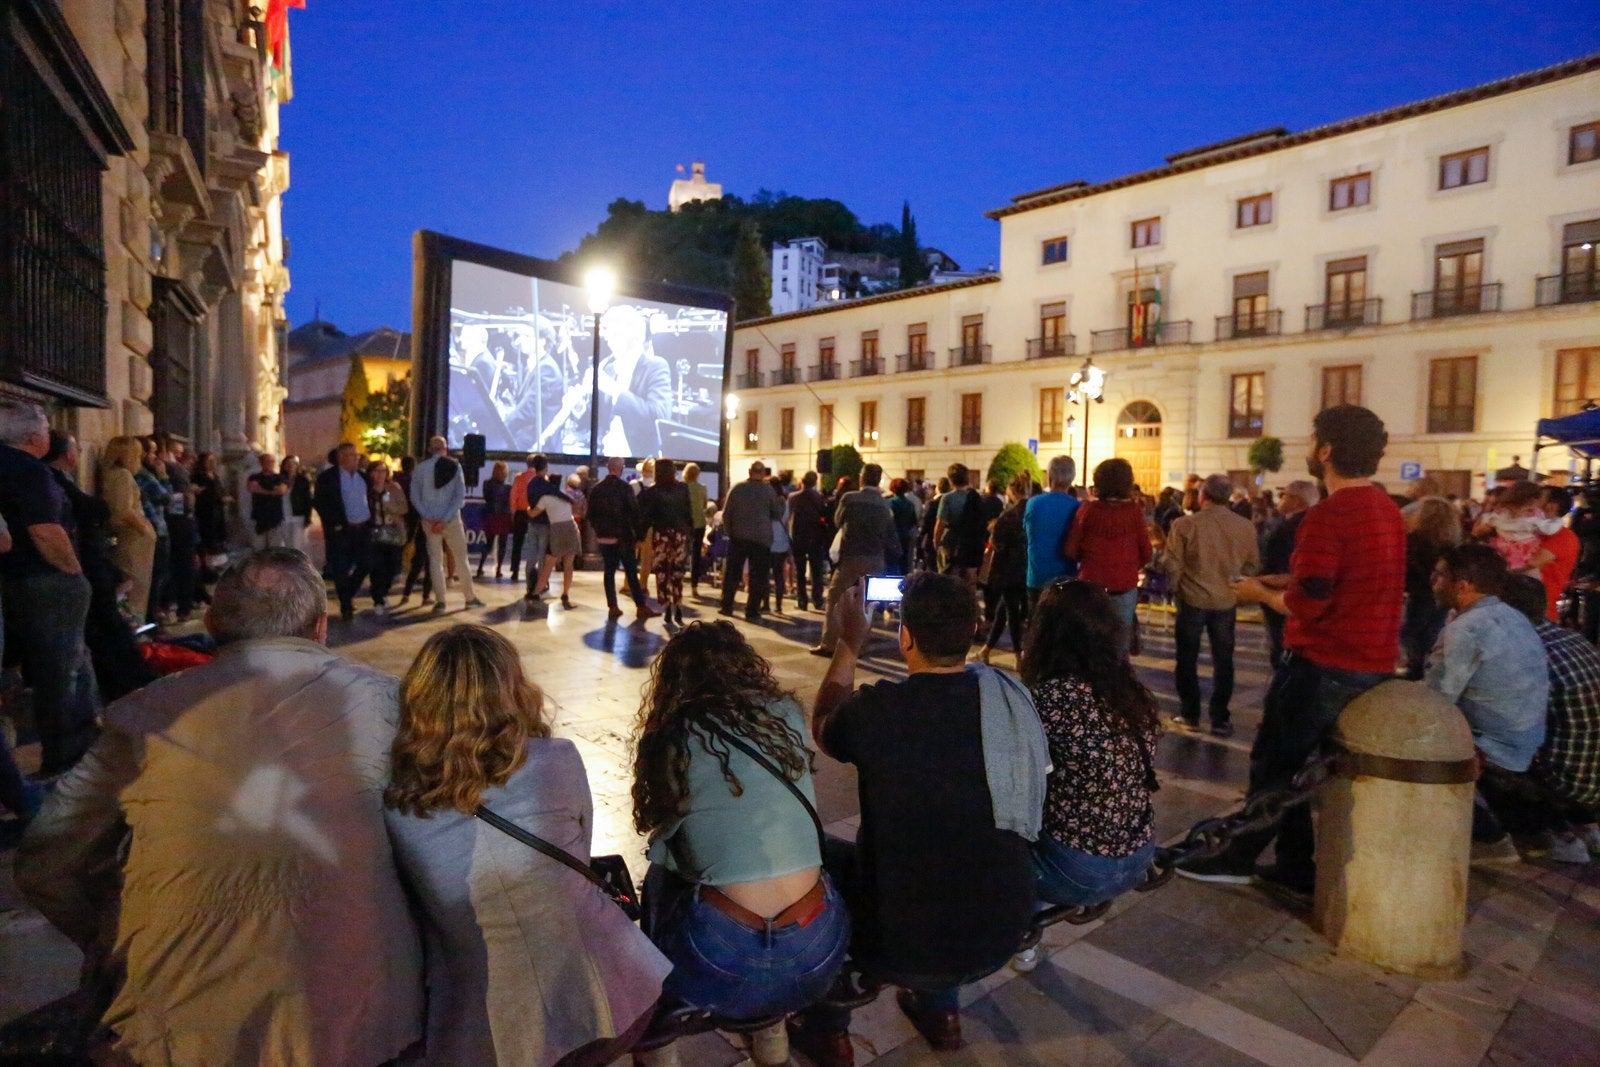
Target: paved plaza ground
<point>1188,974</point>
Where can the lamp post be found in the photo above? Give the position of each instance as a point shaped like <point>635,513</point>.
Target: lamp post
<point>811,441</point>
<point>601,284</point>
<point>1088,383</point>
<point>730,412</point>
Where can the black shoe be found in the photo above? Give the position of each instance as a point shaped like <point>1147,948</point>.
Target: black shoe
<point>753,618</point>
<point>1218,869</point>
<point>1222,729</point>
<point>825,653</point>
<point>941,1029</point>
<point>726,613</point>
<point>348,614</point>
<point>1295,889</point>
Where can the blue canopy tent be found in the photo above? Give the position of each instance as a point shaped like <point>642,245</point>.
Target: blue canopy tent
<point>1579,432</point>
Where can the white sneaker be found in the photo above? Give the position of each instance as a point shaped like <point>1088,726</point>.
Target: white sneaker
<point>1026,960</point>
<point>1569,848</point>
<point>1501,851</point>
<point>380,610</point>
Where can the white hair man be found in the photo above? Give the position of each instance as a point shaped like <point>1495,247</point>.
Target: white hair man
<point>1046,520</point>
<point>259,918</point>
<point>438,491</point>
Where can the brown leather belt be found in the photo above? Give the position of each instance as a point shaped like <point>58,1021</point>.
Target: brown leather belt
<point>802,912</point>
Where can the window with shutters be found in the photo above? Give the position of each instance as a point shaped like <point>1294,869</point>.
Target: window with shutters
<point>1052,413</point>
<point>1577,380</point>
<point>971,418</point>
<point>869,424</point>
<point>825,425</point>
<point>1583,143</point>
<point>1248,404</point>
<point>1346,290</point>
<point>1579,279</point>
<point>1146,232</point>
<point>752,428</point>
<point>1249,303</point>
<point>1055,250</point>
<point>916,420</point>
<point>1353,191</point>
<point>1253,211</point>
<point>1341,385</point>
<point>917,338</point>
<point>1464,168</point>
<point>869,347</point>
<point>1458,277</point>
<point>825,357</point>
<point>1453,395</point>
<point>786,429</point>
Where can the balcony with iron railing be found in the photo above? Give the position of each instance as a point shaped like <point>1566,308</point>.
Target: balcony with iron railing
<point>866,368</point>
<point>1050,347</point>
<point>908,361</point>
<point>822,372</point>
<point>1344,316</point>
<point>1168,333</point>
<point>784,376</point>
<point>749,380</point>
<point>1462,300</point>
<point>969,355</point>
<point>1573,287</point>
<point>1267,323</point>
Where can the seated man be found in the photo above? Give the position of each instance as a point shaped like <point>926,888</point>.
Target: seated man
<point>257,917</point>
<point>940,878</point>
<point>1490,663</point>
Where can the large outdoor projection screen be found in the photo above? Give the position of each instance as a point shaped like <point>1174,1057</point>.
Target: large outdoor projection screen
<point>514,357</point>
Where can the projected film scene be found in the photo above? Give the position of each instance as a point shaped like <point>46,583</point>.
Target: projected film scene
<point>521,351</point>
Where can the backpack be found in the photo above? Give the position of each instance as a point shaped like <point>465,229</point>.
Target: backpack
<point>972,531</point>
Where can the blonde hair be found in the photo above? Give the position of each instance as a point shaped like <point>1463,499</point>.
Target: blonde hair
<point>466,714</point>
<point>498,470</point>
<point>1436,522</point>
<point>125,452</point>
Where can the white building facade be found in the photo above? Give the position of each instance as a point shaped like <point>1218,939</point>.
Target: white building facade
<point>1435,262</point>
<point>797,274</point>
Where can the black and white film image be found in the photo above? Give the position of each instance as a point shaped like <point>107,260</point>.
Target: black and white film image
<point>520,369</point>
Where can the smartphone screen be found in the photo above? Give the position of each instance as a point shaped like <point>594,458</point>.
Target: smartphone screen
<point>883,588</point>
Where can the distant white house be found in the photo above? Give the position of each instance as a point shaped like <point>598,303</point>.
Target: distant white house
<point>797,274</point>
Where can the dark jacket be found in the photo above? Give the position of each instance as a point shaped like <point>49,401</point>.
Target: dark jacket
<point>868,525</point>
<point>666,507</point>
<point>329,501</point>
<point>613,511</point>
<point>1009,567</point>
<point>808,520</point>
<point>300,496</point>
<point>748,514</point>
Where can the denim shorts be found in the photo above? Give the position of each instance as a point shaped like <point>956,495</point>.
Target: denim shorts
<point>1070,876</point>
<point>741,973</point>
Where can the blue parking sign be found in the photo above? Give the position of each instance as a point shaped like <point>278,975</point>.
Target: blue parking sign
<point>1033,445</point>
<point>1410,472</point>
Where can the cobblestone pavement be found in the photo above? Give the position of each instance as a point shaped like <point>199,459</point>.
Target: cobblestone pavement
<point>1190,974</point>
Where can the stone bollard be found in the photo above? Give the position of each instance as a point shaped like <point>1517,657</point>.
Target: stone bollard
<point>1394,834</point>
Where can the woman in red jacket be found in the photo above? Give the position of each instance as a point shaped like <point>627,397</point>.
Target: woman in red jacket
<point>1111,542</point>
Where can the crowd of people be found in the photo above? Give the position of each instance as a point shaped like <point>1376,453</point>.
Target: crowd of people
<point>280,855</point>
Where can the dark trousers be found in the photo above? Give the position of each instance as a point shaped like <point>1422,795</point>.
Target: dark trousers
<point>617,554</point>
<point>385,566</point>
<point>349,559</point>
<point>519,533</point>
<point>44,623</point>
<point>779,563</point>
<point>697,555</point>
<point>1218,625</point>
<point>814,556</point>
<point>419,564</point>
<point>160,571</point>
<point>1275,624</point>
<point>1523,805</point>
<point>758,556</point>
<point>1011,610</point>
<point>489,542</point>
<point>1303,703</point>
<point>1419,630</point>
<point>185,579</point>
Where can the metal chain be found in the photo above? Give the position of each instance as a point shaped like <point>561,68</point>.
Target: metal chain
<point>1210,837</point>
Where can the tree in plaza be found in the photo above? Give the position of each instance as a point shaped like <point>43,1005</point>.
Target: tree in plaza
<point>752,284</point>
<point>847,463</point>
<point>913,268</point>
<point>1266,454</point>
<point>387,418</point>
<point>351,423</point>
<point>1012,458</point>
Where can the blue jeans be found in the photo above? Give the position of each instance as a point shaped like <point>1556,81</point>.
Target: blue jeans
<point>1125,606</point>
<point>1070,876</point>
<point>738,972</point>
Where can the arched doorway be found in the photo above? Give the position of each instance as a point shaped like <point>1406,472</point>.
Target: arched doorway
<point>1139,442</point>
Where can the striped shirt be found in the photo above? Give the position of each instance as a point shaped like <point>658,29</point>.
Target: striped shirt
<point>1347,585</point>
<point>1570,757</point>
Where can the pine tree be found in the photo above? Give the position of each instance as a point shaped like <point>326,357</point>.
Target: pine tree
<point>752,284</point>
<point>354,402</point>
<point>912,268</point>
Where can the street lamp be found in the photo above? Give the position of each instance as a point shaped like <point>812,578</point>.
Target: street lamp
<point>601,284</point>
<point>1087,383</point>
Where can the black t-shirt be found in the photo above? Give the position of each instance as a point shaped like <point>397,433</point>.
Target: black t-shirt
<point>29,496</point>
<point>944,893</point>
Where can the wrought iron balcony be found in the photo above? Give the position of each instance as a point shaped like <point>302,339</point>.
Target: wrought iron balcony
<point>1575,287</point>
<point>914,361</point>
<point>1051,347</point>
<point>1465,300</point>
<point>1168,333</point>
<point>784,376</point>
<point>865,368</point>
<point>751,380</point>
<point>1267,323</point>
<point>822,372</point>
<point>969,355</point>
<point>1344,316</point>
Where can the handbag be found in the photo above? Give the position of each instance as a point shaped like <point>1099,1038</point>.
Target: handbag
<point>389,534</point>
<point>608,873</point>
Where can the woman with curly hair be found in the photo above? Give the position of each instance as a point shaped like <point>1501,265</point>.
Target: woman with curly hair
<point>735,896</point>
<point>1101,723</point>
<point>573,980</point>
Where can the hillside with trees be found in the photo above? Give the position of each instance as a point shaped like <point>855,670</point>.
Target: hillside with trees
<point>725,244</point>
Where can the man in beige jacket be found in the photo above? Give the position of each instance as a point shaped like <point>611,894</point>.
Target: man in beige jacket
<point>257,917</point>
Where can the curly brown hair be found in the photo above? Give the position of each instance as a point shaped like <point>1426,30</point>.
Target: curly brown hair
<point>466,714</point>
<point>708,676</point>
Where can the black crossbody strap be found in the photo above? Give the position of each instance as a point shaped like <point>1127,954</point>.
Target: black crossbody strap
<point>539,844</point>
<point>772,769</point>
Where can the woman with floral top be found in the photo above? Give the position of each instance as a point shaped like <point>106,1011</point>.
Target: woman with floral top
<point>1101,723</point>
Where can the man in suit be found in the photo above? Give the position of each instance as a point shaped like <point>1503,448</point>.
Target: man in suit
<point>635,383</point>
<point>340,501</point>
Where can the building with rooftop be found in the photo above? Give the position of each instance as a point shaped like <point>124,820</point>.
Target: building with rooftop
<point>320,356</point>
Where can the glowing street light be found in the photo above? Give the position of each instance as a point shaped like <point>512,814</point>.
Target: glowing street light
<point>1088,383</point>
<point>600,282</point>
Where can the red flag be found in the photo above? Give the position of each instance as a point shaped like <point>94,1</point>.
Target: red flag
<point>1136,319</point>
<point>278,27</point>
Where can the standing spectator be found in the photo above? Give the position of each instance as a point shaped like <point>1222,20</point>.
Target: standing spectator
<point>866,526</point>
<point>154,492</point>
<point>389,509</point>
<point>269,510</point>
<point>1206,552</point>
<point>225,858</point>
<point>927,549</point>
<point>536,484</point>
<point>1432,529</point>
<point>296,502</point>
<point>903,508</point>
<point>614,514</point>
<point>1277,548</point>
<point>1558,554</point>
<point>46,596</point>
<point>809,540</point>
<point>438,491</point>
<point>1169,505</point>
<point>1047,518</point>
<point>1008,569</point>
<point>527,963</point>
<point>210,507</point>
<point>135,548</point>
<point>747,520</point>
<point>961,528</point>
<point>496,518</point>
<point>341,503</point>
<point>520,520</point>
<point>419,542</point>
<point>779,555</point>
<point>1110,542</point>
<point>667,512</point>
<point>697,531</point>
<point>181,529</point>
<point>559,509</point>
<point>1343,596</point>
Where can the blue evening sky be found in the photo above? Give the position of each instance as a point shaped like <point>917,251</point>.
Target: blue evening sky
<point>516,123</point>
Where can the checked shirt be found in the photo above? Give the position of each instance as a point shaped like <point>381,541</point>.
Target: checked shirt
<point>1570,757</point>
